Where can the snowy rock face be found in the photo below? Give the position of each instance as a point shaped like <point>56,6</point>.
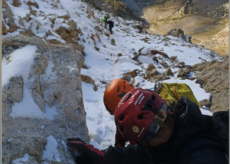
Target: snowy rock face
<point>7,14</point>
<point>216,81</point>
<point>45,80</point>
<point>42,100</point>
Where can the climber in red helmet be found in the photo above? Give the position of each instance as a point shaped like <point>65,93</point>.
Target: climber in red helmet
<point>162,138</point>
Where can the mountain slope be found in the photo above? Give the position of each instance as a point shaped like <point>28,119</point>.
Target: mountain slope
<point>204,20</point>
<point>69,43</point>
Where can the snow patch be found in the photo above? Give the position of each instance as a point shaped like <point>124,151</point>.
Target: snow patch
<point>22,160</point>
<point>65,145</point>
<point>21,61</point>
<point>11,139</point>
<point>145,51</point>
<point>145,59</point>
<point>50,111</point>
<point>51,153</point>
<point>27,108</point>
<point>19,65</point>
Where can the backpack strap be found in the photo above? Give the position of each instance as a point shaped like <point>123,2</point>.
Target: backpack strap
<point>159,86</point>
<point>176,93</point>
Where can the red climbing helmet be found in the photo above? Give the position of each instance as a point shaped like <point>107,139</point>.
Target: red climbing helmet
<point>115,90</point>
<point>140,114</point>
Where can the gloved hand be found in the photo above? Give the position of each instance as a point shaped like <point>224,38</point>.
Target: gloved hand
<point>85,153</point>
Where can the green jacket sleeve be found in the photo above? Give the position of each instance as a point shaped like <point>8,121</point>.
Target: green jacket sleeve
<point>104,20</point>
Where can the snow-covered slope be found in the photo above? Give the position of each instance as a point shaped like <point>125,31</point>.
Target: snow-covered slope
<point>104,64</point>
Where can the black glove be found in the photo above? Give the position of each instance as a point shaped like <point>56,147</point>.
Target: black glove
<point>180,108</point>
<point>85,153</point>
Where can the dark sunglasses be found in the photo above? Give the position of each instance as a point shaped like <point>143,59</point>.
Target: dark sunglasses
<point>158,120</point>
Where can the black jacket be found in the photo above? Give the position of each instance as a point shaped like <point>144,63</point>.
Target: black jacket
<point>190,143</point>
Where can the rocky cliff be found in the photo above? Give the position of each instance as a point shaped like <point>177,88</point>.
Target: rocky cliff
<point>42,104</point>
<point>54,82</point>
<point>215,80</point>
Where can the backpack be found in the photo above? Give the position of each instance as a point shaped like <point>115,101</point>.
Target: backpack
<point>172,92</point>
<point>111,24</point>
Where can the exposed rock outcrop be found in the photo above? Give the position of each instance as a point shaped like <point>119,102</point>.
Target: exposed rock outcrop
<point>168,72</point>
<point>55,85</point>
<point>9,17</point>
<point>88,79</point>
<point>113,42</point>
<point>206,103</point>
<point>180,34</point>
<point>4,29</point>
<point>183,73</point>
<point>215,77</point>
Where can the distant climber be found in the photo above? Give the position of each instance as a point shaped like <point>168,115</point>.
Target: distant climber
<point>106,21</point>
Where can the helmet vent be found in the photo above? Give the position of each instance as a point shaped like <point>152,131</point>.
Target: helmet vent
<point>127,97</point>
<point>122,94</point>
<point>121,118</point>
<point>140,117</point>
<point>124,82</point>
<point>153,97</point>
<point>149,105</point>
<point>118,88</point>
